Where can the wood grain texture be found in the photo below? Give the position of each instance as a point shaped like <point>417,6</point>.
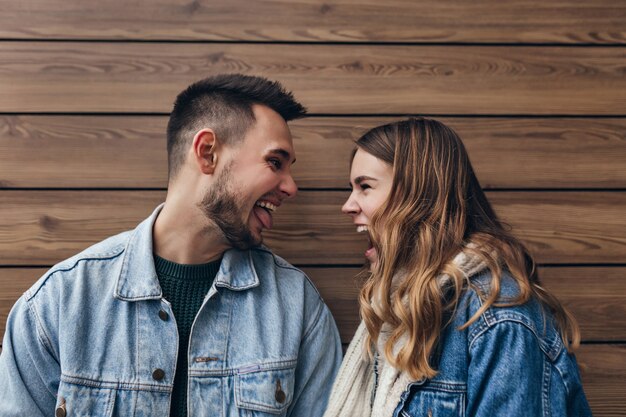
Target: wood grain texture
<point>570,21</point>
<point>146,77</point>
<point>44,227</point>
<point>604,373</point>
<point>83,152</point>
<point>129,151</point>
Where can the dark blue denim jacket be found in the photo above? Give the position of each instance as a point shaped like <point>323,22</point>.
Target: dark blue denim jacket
<point>510,362</point>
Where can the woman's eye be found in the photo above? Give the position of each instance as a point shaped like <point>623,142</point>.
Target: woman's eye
<point>365,186</point>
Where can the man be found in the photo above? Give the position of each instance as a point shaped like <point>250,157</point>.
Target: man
<point>187,314</point>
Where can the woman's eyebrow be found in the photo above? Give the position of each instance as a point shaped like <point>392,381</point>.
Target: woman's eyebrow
<point>361,178</point>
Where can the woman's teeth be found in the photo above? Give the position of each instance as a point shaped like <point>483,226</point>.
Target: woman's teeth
<point>361,228</point>
<point>266,205</point>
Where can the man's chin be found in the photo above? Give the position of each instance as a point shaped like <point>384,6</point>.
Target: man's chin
<point>251,240</point>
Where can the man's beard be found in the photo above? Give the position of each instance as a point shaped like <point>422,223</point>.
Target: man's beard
<point>222,207</point>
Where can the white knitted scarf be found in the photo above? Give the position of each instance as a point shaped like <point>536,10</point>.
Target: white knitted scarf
<point>353,391</point>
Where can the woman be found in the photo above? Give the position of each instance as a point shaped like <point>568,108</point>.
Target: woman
<point>455,320</point>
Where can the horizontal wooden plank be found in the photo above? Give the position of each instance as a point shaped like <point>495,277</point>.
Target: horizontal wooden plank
<point>603,366</point>
<point>595,295</point>
<point>13,283</point>
<point>129,151</point>
<point>311,20</point>
<point>43,227</point>
<point>603,373</point>
<point>372,79</point>
<point>83,151</point>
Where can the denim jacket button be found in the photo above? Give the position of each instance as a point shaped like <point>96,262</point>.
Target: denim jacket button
<point>60,411</point>
<point>163,315</point>
<point>280,394</point>
<point>158,374</point>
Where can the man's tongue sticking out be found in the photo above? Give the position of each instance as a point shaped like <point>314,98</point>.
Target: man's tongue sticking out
<point>264,217</point>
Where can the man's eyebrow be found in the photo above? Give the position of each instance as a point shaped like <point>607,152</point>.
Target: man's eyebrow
<point>283,153</point>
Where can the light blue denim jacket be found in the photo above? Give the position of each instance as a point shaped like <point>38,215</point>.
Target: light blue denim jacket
<point>89,334</point>
<point>510,362</point>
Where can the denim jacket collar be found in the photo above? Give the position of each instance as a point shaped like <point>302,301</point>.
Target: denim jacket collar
<point>138,280</point>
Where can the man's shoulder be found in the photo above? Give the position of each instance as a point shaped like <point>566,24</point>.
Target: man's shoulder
<point>79,265</point>
<point>285,274</point>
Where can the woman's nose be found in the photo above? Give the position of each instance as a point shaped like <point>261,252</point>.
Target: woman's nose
<point>350,207</point>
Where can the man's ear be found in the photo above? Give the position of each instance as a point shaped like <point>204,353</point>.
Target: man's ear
<point>205,149</point>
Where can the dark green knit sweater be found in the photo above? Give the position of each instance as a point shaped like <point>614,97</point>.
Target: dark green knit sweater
<point>185,287</point>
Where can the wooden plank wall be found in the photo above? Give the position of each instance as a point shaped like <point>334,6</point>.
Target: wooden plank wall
<point>537,89</point>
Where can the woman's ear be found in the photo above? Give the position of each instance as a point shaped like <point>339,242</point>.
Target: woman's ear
<point>205,149</point>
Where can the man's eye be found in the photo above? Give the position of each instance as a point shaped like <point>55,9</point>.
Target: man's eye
<point>275,162</point>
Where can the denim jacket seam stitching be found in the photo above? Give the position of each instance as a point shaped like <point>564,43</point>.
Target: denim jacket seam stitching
<point>61,268</point>
<point>31,358</point>
<point>42,335</point>
<point>314,323</point>
<point>275,365</point>
<point>547,348</point>
<point>299,271</point>
<point>110,404</point>
<point>562,379</point>
<point>265,367</point>
<point>236,288</point>
<point>261,407</point>
<point>450,387</point>
<point>47,389</point>
<point>212,372</point>
<point>104,384</point>
<point>229,328</point>
<point>545,389</point>
<point>137,341</point>
<point>482,324</point>
<point>517,322</point>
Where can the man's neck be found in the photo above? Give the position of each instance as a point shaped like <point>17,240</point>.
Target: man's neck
<point>186,236</point>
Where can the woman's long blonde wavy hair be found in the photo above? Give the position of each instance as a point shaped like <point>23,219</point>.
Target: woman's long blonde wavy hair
<point>435,209</point>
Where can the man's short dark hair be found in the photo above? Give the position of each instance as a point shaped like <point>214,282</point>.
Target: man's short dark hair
<point>224,104</point>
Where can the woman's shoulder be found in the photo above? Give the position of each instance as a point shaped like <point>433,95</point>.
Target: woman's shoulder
<point>531,317</point>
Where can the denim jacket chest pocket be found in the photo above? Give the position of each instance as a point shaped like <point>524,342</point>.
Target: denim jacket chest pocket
<point>436,400</point>
<point>264,391</point>
<point>82,400</point>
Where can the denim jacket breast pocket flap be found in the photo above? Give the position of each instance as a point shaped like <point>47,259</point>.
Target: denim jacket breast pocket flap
<point>436,400</point>
<point>84,400</point>
<point>267,390</point>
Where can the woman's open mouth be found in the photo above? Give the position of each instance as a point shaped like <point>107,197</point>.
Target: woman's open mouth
<point>371,251</point>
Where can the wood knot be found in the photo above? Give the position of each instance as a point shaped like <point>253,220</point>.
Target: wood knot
<point>48,223</point>
<point>326,8</point>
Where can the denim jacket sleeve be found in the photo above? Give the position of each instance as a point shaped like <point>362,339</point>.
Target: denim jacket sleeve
<point>511,375</point>
<point>506,372</point>
<point>321,355</point>
<point>29,372</point>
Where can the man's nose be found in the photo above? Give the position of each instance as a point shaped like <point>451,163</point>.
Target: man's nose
<point>289,187</point>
